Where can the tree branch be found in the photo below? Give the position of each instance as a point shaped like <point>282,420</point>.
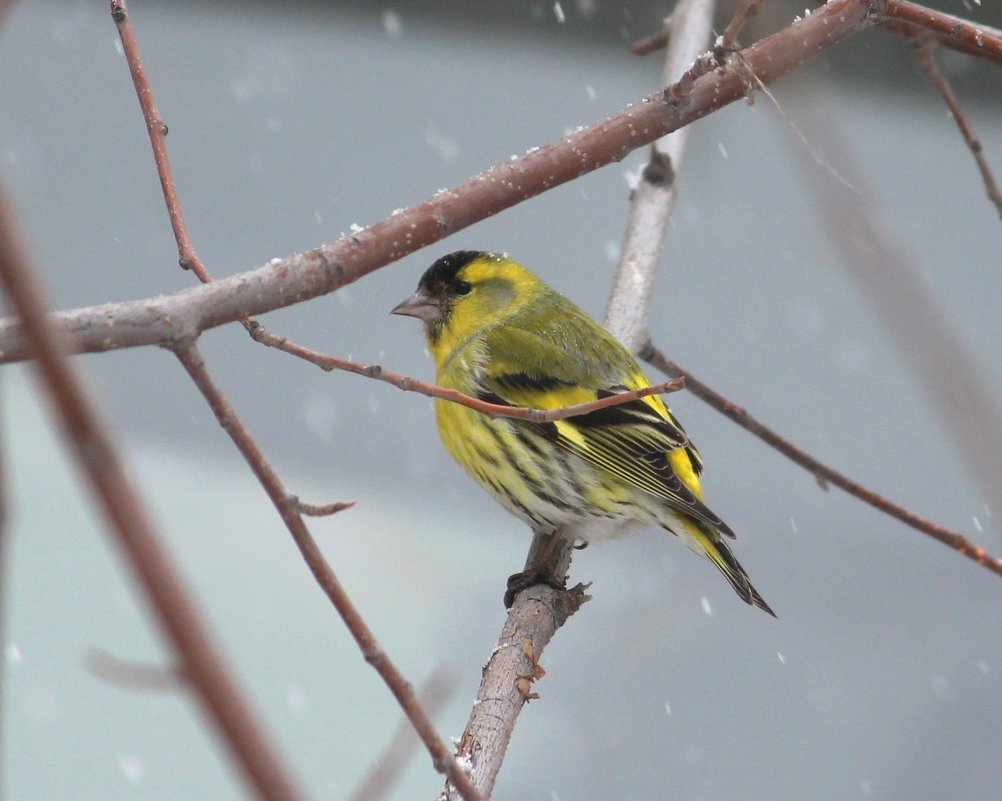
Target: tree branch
<point>903,18</point>
<point>511,669</point>
<point>168,319</point>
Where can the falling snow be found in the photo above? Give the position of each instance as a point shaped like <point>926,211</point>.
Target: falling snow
<point>707,609</point>
<point>392,24</point>
<point>296,699</point>
<point>133,769</point>
<point>13,654</point>
<point>445,147</point>
<point>558,12</point>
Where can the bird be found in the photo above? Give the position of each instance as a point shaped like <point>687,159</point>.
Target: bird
<point>498,332</point>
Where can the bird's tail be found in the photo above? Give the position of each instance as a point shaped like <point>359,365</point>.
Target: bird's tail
<point>709,542</point>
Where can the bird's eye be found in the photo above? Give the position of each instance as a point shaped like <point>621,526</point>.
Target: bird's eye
<point>461,288</point>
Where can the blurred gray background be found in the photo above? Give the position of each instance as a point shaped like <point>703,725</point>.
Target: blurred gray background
<point>289,123</point>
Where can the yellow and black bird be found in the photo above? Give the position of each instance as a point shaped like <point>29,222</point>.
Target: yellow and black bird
<point>498,332</point>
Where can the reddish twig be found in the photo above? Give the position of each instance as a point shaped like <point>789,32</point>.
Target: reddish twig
<point>187,257</point>
<point>746,9</point>
<point>821,472</point>
<point>287,507</point>
<point>904,18</point>
<point>493,410</point>
<point>925,46</point>
<point>170,318</point>
<point>135,534</point>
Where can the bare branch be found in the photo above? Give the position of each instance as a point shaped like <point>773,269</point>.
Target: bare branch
<point>134,532</point>
<point>187,257</point>
<point>389,767</point>
<point>493,410</point>
<point>168,319</point>
<point>904,18</point>
<point>745,10</point>
<point>925,47</point>
<point>824,474</point>
<point>289,507</point>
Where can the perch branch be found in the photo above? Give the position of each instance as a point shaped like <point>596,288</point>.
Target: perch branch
<point>511,670</point>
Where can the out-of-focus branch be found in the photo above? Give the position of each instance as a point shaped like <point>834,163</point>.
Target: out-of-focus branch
<point>823,473</point>
<point>389,767</point>
<point>135,534</point>
<point>131,675</point>
<point>945,370</point>
<point>653,199</point>
<point>925,46</point>
<point>171,318</point>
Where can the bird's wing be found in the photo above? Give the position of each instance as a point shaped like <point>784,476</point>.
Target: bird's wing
<point>638,441</point>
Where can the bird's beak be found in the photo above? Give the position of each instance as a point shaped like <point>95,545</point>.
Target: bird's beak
<point>419,305</point>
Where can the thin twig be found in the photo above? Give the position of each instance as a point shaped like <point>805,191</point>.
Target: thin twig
<point>187,257</point>
<point>134,532</point>
<point>925,47</point>
<point>903,18</point>
<point>373,653</point>
<point>746,9</point>
<point>651,44</point>
<point>823,473</point>
<point>492,410</point>
<point>289,506</point>
<point>166,319</point>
